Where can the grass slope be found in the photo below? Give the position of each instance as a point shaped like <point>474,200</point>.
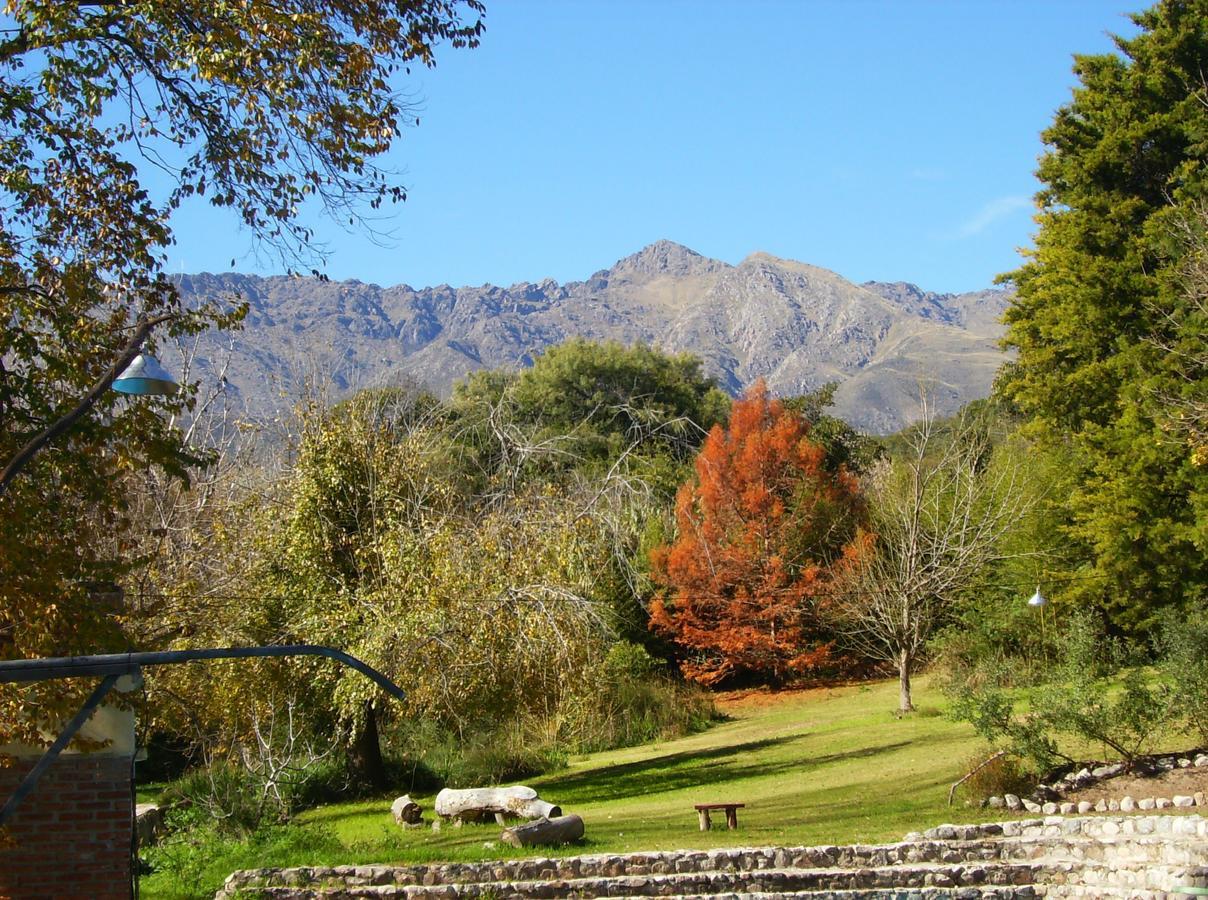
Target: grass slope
<point>825,766</point>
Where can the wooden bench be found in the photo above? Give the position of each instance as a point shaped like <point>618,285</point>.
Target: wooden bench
<point>702,810</point>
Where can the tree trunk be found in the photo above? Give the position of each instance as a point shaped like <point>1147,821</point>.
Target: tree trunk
<point>365,754</point>
<point>406,811</point>
<point>905,664</point>
<point>472,804</point>
<point>562,830</point>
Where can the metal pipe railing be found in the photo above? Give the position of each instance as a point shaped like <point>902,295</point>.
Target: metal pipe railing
<point>112,666</point>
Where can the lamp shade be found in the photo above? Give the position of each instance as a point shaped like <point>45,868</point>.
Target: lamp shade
<point>146,377</point>
<point>1037,599</point>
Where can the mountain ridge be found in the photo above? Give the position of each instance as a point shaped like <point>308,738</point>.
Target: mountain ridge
<point>792,323</point>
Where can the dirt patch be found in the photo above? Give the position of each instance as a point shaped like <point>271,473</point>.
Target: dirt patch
<point>762,697</point>
<point>1165,784</point>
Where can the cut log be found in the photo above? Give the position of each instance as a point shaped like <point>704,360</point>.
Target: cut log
<point>560,830</point>
<point>406,811</point>
<point>472,804</point>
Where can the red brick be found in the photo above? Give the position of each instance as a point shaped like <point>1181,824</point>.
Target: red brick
<point>73,832</point>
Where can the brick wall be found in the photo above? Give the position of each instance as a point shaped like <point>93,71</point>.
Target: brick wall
<point>71,837</point>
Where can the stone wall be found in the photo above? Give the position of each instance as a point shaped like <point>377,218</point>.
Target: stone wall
<point>70,838</point>
<point>1051,857</point>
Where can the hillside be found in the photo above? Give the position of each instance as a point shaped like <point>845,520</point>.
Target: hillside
<point>796,325</point>
<point>823,766</point>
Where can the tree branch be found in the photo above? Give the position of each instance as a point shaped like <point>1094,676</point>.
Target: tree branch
<point>142,329</point>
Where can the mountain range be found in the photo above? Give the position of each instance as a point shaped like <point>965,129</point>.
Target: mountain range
<point>796,325</point>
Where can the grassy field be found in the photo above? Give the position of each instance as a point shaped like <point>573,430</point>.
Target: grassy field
<point>816,767</point>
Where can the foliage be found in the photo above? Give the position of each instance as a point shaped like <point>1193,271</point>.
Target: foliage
<point>764,533</point>
<point>1183,664</point>
<point>845,447</point>
<point>996,776</point>
<point>1185,400</point>
<point>257,107</point>
<point>1093,692</point>
<point>939,516</point>
<point>627,699</point>
<point>490,609</point>
<point>589,405</point>
<point>1100,298</point>
<point>617,426</point>
<point>991,631</point>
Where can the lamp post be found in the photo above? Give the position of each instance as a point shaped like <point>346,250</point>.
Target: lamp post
<point>149,379</point>
<point>145,377</point>
<point>1039,601</point>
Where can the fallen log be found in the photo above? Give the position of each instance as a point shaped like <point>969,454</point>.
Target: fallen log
<point>472,804</point>
<point>406,811</point>
<point>560,830</point>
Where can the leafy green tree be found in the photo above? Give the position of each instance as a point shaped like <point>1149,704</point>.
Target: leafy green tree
<point>844,445</point>
<point>616,426</point>
<point>1125,162</point>
<point>257,107</point>
<point>373,477</point>
<point>585,405</point>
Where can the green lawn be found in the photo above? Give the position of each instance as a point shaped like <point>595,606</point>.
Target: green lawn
<point>828,766</point>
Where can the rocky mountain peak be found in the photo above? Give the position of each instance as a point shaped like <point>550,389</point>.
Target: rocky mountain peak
<point>797,325</point>
<point>665,258</point>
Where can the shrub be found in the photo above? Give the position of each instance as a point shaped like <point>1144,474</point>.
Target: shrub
<point>627,699</point>
<point>1183,662</point>
<point>1094,691</point>
<point>1002,775</point>
<point>195,863</point>
<point>223,794</point>
<point>507,755</point>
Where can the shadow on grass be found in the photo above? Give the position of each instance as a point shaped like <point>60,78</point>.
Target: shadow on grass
<point>688,769</point>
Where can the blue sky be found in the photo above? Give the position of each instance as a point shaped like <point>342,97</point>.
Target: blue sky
<point>882,140</point>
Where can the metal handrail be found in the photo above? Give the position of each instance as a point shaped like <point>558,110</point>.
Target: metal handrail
<point>15,670</point>
<point>112,666</point>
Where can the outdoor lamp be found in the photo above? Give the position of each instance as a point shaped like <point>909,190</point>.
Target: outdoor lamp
<point>145,377</point>
<point>1037,599</point>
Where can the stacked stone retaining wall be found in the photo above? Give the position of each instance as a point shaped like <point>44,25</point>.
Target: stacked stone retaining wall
<point>1052,857</point>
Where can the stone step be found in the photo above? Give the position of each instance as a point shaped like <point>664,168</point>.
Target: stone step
<point>1017,892</point>
<point>1095,892</point>
<point>1122,851</point>
<point>1097,875</point>
<point>1185,827</point>
<point>1021,892</point>
<point>886,879</point>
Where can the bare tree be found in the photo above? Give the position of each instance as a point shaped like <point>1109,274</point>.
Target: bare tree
<point>938,517</point>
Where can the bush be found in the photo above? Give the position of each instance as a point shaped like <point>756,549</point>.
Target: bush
<point>429,755</point>
<point>1003,775</point>
<point>237,801</point>
<point>1183,662</point>
<point>196,862</point>
<point>223,794</point>
<point>1095,691</point>
<point>627,699</point>
<point>507,755</point>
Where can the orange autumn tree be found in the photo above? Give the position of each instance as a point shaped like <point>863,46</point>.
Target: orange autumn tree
<point>766,532</point>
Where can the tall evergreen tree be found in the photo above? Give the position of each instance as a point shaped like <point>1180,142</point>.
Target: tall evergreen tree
<point>1125,160</point>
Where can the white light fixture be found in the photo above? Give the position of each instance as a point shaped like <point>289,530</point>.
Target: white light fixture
<point>145,377</point>
<point>1038,599</point>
